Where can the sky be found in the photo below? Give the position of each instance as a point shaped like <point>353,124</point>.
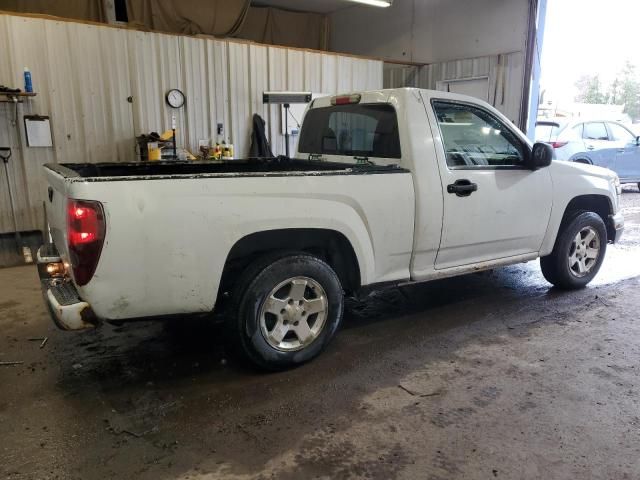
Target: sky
<point>587,37</point>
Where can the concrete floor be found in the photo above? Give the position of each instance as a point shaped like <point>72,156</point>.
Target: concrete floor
<point>492,375</point>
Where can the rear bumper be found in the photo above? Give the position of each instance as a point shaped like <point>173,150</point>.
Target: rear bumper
<point>68,311</point>
<point>616,226</point>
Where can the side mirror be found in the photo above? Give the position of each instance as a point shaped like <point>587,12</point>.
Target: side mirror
<point>541,156</point>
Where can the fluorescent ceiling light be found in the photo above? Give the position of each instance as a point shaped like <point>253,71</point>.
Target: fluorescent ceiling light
<point>375,3</point>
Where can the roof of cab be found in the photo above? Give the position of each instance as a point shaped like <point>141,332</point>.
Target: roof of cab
<point>388,95</point>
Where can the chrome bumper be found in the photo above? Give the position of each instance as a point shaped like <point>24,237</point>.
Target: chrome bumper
<point>68,311</point>
<point>616,222</point>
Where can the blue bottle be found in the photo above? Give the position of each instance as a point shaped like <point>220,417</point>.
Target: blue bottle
<point>28,85</point>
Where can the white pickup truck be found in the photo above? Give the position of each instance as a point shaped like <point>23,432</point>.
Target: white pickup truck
<point>387,187</point>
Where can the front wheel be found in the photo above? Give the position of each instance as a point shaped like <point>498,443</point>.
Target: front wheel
<point>288,307</point>
<point>578,253</point>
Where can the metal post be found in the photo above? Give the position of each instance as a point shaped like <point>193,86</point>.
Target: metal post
<point>173,129</point>
<point>175,151</point>
<point>286,129</point>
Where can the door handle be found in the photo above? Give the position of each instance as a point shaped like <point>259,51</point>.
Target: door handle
<point>462,188</point>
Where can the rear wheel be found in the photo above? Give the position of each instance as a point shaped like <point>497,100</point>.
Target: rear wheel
<point>288,307</point>
<point>578,253</point>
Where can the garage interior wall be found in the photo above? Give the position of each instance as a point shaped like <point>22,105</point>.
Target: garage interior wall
<point>83,75</point>
<point>449,40</point>
<point>503,73</point>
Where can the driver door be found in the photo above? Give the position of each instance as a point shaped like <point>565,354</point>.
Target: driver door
<point>627,161</point>
<point>494,206</point>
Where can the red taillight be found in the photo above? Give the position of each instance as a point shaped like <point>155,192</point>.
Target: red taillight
<point>558,144</point>
<point>346,99</point>
<point>85,236</point>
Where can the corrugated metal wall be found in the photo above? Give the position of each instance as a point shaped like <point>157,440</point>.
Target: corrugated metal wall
<point>83,75</point>
<point>505,73</point>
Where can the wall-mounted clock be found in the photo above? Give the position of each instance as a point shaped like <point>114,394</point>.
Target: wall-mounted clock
<point>174,98</point>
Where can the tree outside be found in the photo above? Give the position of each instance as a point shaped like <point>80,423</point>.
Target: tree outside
<point>590,90</point>
<point>624,90</point>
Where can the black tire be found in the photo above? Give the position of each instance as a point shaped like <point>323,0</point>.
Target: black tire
<point>250,293</point>
<point>556,268</point>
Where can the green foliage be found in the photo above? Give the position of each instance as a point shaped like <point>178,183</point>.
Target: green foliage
<point>624,90</point>
<point>590,90</point>
<point>629,91</point>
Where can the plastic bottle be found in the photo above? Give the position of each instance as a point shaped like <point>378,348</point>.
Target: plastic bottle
<point>217,153</point>
<point>28,85</point>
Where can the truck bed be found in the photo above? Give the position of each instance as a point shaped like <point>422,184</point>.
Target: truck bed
<point>241,167</point>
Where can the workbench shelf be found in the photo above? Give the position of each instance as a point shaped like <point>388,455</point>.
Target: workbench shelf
<point>6,97</point>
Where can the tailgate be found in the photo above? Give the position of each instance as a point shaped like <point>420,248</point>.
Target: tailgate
<point>56,206</point>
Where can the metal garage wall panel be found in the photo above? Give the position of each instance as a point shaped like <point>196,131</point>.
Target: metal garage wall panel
<point>114,49</point>
<point>313,72</point>
<point>277,81</point>
<point>259,82</point>
<point>97,57</point>
<point>374,75</point>
<point>196,90</point>
<point>83,75</point>
<point>401,75</point>
<point>67,125</point>
<point>359,72</point>
<point>27,36</point>
<point>218,88</point>
<point>329,73</point>
<point>295,70</point>
<point>8,137</point>
<point>344,73</point>
<point>240,97</point>
<point>505,73</point>
<point>156,67</point>
<point>511,75</point>
<point>6,73</point>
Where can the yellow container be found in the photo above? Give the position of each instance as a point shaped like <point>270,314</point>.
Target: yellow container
<point>154,151</point>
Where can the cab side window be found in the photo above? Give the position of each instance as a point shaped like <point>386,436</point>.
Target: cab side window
<point>473,137</point>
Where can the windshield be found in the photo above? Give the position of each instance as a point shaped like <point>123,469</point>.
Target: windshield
<point>362,130</point>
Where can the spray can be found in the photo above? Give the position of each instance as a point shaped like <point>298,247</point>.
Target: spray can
<point>28,84</point>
